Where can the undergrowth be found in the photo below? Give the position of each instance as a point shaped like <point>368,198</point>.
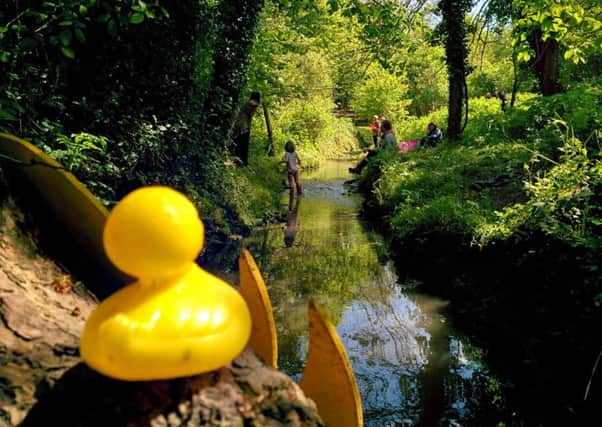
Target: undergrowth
<point>534,168</point>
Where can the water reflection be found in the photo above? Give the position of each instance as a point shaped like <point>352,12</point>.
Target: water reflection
<point>290,232</point>
<point>411,368</point>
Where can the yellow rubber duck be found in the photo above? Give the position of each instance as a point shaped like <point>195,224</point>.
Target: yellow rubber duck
<point>176,320</point>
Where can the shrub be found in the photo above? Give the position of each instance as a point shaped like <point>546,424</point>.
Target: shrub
<point>563,200</point>
<point>381,93</point>
<point>317,133</point>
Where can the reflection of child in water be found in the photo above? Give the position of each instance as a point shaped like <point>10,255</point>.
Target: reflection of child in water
<point>290,232</point>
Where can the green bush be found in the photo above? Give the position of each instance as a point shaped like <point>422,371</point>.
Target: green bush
<point>427,78</point>
<point>299,91</point>
<point>563,201</point>
<point>416,127</point>
<point>254,190</point>
<point>317,133</point>
<point>381,93</point>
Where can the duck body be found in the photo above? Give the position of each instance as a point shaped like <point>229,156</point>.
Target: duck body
<point>167,330</point>
<point>177,320</point>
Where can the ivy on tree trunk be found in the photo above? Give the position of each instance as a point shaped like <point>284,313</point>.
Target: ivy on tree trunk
<point>456,53</point>
<point>230,62</point>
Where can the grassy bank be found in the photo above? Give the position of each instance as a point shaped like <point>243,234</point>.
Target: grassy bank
<point>506,225</point>
<point>535,167</point>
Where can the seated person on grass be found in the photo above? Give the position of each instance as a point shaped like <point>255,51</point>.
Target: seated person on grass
<point>433,136</point>
<point>388,143</point>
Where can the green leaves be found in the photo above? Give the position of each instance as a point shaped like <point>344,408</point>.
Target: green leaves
<point>79,35</point>
<point>568,22</point>
<point>63,24</point>
<point>68,52</point>
<point>524,55</point>
<point>66,37</point>
<point>111,27</point>
<point>104,18</point>
<point>369,98</point>
<point>136,18</point>
<point>6,115</point>
<point>79,149</point>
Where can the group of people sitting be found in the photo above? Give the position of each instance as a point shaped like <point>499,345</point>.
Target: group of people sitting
<point>384,139</point>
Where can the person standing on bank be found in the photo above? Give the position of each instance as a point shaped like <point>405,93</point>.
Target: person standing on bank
<point>242,128</point>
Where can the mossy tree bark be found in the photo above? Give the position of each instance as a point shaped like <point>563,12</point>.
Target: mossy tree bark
<point>454,32</point>
<point>230,62</point>
<point>244,393</point>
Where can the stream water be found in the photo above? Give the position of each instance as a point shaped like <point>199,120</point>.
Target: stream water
<point>412,367</point>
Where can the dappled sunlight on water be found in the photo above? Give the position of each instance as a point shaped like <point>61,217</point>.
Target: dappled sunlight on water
<point>411,367</point>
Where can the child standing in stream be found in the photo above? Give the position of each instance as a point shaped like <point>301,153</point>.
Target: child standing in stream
<point>292,160</point>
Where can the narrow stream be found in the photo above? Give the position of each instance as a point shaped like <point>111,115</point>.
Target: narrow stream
<point>412,367</point>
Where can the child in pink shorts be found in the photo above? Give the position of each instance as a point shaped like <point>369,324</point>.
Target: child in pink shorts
<point>292,160</point>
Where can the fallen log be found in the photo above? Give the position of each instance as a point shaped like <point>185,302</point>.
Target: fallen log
<point>246,393</point>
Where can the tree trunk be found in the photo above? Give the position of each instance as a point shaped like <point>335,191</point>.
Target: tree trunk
<point>246,392</point>
<point>454,120</point>
<point>515,81</point>
<point>456,57</point>
<point>268,125</point>
<point>546,63</point>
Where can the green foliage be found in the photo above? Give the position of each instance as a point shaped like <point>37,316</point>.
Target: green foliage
<point>147,90</point>
<point>416,127</point>
<point>512,175</point>
<point>491,60</point>
<point>384,24</point>
<point>453,31</point>
<point>575,24</point>
<point>128,80</point>
<point>563,201</point>
<point>64,24</point>
<point>251,191</point>
<point>292,66</point>
<point>427,78</point>
<point>429,190</point>
<point>77,149</point>
<point>316,132</point>
<point>381,93</point>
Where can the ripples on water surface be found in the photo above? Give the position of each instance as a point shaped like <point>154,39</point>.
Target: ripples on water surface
<point>411,367</point>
